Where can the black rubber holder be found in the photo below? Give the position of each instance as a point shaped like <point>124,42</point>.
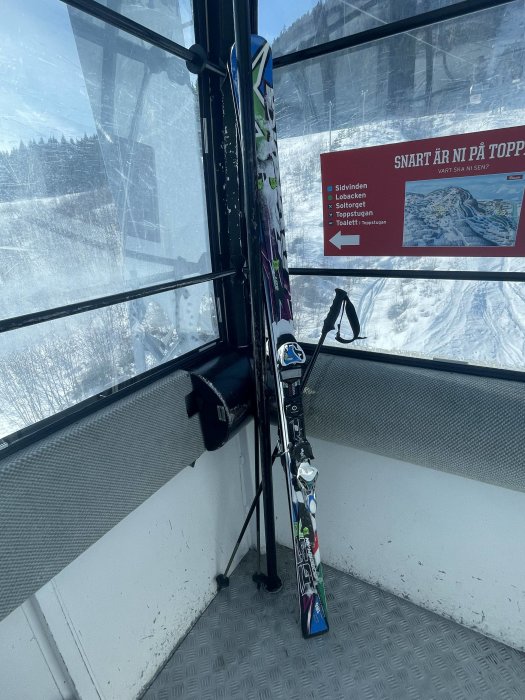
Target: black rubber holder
<point>222,581</point>
<point>273,585</point>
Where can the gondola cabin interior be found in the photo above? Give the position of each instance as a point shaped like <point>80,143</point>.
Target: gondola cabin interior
<point>141,421</point>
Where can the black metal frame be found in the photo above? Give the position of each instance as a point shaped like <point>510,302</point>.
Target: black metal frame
<point>219,174</point>
<point>115,19</point>
<point>436,363</point>
<point>466,275</point>
<point>10,324</point>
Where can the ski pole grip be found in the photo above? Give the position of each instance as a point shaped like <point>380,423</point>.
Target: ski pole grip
<point>334,311</point>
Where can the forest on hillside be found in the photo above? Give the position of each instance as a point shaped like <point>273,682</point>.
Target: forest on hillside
<point>51,168</point>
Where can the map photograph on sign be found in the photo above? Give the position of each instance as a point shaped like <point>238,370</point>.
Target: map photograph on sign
<point>479,211</point>
<point>455,196</point>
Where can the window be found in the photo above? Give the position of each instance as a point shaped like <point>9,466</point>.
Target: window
<point>452,77</point>
<point>171,18</point>
<point>299,25</point>
<point>101,196</point>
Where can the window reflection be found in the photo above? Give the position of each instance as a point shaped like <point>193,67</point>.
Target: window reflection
<point>171,18</point>
<point>298,25</point>
<point>455,77</point>
<point>101,191</point>
<point>101,184</point>
<point>49,367</point>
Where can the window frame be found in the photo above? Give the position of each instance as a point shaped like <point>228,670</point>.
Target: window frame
<point>225,251</point>
<point>221,270</point>
<point>391,29</point>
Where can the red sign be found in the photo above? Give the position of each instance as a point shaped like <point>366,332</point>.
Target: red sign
<point>454,195</point>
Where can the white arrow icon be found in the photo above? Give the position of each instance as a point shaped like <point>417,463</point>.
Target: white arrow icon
<point>339,240</point>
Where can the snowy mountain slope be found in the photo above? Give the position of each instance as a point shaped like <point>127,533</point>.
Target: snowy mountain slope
<point>61,247</point>
<point>61,250</point>
<point>65,249</point>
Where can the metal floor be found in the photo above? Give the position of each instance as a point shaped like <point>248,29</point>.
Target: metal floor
<point>248,644</point>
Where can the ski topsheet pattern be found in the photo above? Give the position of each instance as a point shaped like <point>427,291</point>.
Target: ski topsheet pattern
<point>288,358</point>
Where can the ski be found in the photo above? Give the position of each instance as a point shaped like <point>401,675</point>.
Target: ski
<point>287,357</point>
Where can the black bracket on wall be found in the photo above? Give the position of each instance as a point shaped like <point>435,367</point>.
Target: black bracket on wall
<point>200,62</point>
<point>222,396</point>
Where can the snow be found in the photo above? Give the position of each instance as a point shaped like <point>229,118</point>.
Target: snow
<point>65,249</point>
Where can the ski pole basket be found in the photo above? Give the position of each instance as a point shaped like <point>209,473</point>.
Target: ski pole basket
<point>222,396</point>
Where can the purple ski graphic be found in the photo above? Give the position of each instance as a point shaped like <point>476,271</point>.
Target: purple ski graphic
<point>287,355</point>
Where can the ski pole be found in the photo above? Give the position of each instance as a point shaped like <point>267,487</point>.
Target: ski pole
<point>340,304</point>
<point>328,325</point>
<point>223,580</point>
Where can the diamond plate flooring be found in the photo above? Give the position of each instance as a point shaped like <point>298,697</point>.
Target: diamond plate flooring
<point>248,644</point>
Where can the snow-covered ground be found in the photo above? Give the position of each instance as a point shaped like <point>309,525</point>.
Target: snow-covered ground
<point>478,322</point>
<point>61,250</point>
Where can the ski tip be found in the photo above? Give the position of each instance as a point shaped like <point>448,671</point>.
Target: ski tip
<point>222,581</point>
<point>316,622</point>
<point>309,634</point>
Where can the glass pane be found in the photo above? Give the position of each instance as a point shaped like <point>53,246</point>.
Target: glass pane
<point>456,77</point>
<point>482,323</point>
<point>101,183</point>
<point>49,367</point>
<point>171,18</point>
<point>297,25</point>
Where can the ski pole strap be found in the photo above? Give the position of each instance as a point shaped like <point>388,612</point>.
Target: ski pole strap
<point>342,305</point>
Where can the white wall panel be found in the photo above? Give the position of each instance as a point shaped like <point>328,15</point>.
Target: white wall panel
<point>447,543</point>
<point>117,612</point>
<point>27,667</point>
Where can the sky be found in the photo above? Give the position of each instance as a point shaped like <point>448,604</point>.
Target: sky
<point>480,186</point>
<point>276,14</point>
<point>42,90</point>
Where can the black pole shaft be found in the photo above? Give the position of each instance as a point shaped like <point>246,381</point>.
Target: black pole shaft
<point>241,16</point>
<point>312,361</point>
<point>258,508</point>
<point>254,16</point>
<point>126,24</point>
<point>254,505</point>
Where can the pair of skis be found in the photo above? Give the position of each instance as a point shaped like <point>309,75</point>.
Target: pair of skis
<point>287,358</point>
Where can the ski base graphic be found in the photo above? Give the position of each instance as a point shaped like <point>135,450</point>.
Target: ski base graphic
<point>287,356</point>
